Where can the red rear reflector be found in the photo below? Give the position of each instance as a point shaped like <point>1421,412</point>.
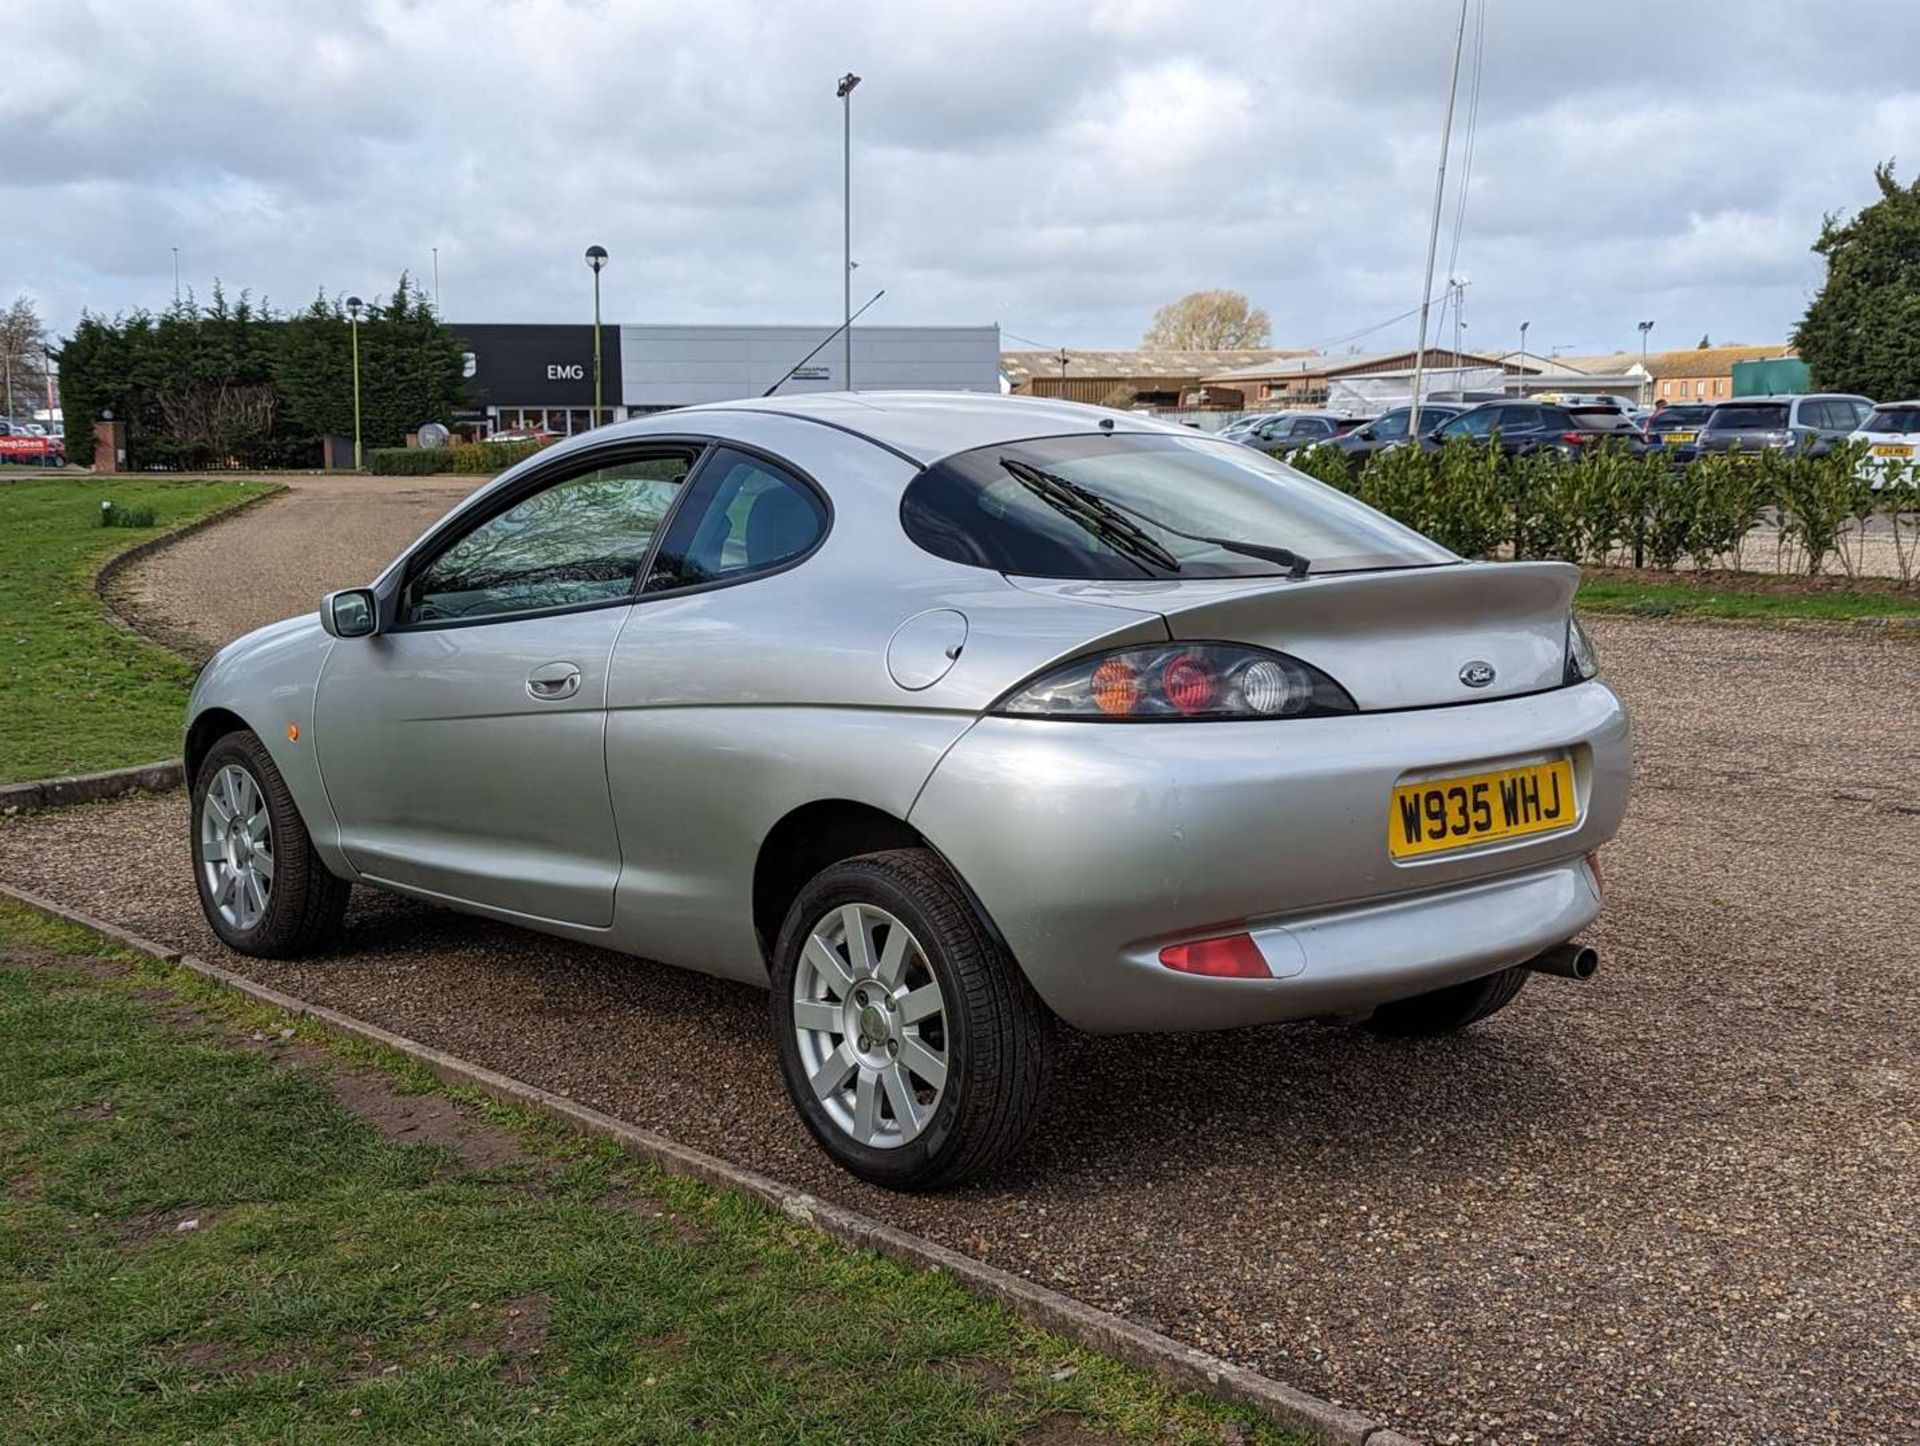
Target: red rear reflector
<point>1234,957</point>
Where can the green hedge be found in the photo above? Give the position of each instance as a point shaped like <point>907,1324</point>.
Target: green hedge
<point>1607,506</point>
<point>476,457</point>
<point>405,461</point>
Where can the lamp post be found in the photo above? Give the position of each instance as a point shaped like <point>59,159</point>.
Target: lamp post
<point>354,304</point>
<point>1521,373</point>
<point>596,258</point>
<point>1646,380</point>
<point>845,91</point>
<point>176,276</point>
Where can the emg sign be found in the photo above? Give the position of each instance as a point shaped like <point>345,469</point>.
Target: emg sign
<point>538,366</point>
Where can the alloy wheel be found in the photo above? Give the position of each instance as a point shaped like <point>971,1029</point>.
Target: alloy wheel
<point>236,847</point>
<point>871,1024</point>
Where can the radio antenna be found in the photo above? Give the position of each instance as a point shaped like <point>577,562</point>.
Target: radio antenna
<point>846,325</point>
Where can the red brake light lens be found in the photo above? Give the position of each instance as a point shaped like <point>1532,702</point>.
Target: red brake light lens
<point>1235,956</point>
<point>1190,685</point>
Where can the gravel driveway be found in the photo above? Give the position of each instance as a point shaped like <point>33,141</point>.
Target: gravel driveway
<point>1680,1203</point>
<point>279,558</point>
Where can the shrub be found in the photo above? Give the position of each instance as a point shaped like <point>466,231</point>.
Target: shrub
<point>406,461</point>
<point>486,456</point>
<point>113,514</point>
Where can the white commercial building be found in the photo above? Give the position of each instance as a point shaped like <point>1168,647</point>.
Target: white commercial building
<point>678,366</point>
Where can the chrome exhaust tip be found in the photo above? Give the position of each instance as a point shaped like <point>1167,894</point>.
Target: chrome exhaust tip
<point>1567,961</point>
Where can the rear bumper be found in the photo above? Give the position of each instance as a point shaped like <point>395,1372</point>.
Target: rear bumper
<point>1093,846</point>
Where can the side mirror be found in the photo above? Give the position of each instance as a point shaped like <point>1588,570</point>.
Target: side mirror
<point>350,613</point>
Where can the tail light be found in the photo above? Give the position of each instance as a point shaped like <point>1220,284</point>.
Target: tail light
<point>1179,682</point>
<point>1583,662</point>
<point>1577,438</point>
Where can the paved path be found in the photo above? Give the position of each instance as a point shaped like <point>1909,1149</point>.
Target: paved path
<point>1681,1203</point>
<point>278,558</point>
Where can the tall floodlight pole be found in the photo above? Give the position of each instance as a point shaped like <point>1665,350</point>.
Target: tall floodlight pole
<point>354,304</point>
<point>1433,234</point>
<point>845,91</point>
<point>176,276</point>
<point>436,278</point>
<point>1646,378</point>
<point>596,258</point>
<point>1520,373</point>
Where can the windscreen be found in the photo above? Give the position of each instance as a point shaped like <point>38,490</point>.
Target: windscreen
<point>1145,506</point>
<point>1757,418</point>
<point>1892,419</point>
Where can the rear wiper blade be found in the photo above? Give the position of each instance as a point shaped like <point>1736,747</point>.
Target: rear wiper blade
<point>1091,511</point>
<point>1293,562</point>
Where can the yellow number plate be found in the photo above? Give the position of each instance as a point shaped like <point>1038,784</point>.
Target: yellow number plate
<point>1680,439</point>
<point>1893,449</point>
<point>1437,814</point>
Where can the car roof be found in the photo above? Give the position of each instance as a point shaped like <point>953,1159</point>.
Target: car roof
<point>1914,403</point>
<point>1782,398</point>
<point>926,426</point>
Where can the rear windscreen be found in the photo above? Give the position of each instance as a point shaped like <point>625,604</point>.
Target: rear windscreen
<point>1673,419</point>
<point>1144,505</point>
<point>1758,418</point>
<point>1892,419</point>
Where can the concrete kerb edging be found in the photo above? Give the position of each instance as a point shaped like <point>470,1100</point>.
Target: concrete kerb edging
<point>42,793</point>
<point>111,569</point>
<point>1178,1367</point>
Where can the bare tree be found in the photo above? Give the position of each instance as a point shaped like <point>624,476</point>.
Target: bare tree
<point>23,355</point>
<point>1208,321</point>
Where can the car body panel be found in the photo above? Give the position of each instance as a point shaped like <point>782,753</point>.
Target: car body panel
<point>1094,844</point>
<point>1392,639</point>
<point>428,740</point>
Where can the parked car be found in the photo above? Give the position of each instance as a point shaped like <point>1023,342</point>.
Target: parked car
<point>1235,430</point>
<point>1676,425</point>
<point>1288,432</point>
<point>1389,429</point>
<point>1891,433</point>
<point>521,435</point>
<point>1523,426</point>
<point>863,699</point>
<point>1808,423</point>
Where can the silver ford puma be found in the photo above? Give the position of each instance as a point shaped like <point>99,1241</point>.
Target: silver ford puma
<point>948,717</point>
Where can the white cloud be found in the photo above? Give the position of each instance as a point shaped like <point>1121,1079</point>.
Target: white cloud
<point>1060,169</point>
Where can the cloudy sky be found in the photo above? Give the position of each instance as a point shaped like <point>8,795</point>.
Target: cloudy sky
<point>1060,169</point>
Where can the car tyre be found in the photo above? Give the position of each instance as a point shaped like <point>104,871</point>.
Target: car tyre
<point>1442,1011</point>
<point>262,886</point>
<point>867,949</point>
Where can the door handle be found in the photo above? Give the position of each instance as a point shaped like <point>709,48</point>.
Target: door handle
<point>553,681</point>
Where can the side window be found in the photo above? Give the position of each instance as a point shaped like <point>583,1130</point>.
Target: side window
<point>743,516</point>
<point>1472,424</point>
<point>577,542</point>
<point>1390,428</point>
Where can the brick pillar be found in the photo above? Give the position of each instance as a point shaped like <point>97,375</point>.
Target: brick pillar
<point>109,446</point>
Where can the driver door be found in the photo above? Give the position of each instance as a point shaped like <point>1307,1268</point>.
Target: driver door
<point>463,746</point>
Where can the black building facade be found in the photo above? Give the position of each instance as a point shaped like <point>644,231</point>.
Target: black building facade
<point>537,376</point>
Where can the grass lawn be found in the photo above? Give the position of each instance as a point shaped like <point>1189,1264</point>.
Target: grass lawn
<point>338,1284</point>
<point>77,693</point>
<point>1746,595</point>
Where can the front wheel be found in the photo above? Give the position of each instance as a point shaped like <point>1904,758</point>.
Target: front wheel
<point>262,887</point>
<point>911,1044</point>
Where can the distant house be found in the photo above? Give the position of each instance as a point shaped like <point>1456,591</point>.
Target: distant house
<point>1147,378</point>
<point>1302,379</point>
<point>1695,374</point>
